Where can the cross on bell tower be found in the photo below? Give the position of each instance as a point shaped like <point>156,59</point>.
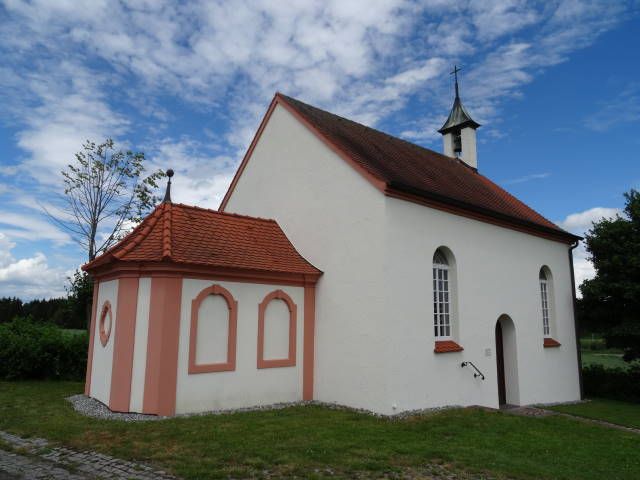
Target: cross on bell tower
<point>455,74</point>
<point>459,131</point>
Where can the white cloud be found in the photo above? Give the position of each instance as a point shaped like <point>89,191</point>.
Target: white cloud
<point>412,77</point>
<point>624,109</point>
<point>526,178</point>
<point>579,223</point>
<point>5,250</point>
<point>77,70</point>
<point>66,108</point>
<point>28,277</point>
<point>495,18</point>
<point>202,176</point>
<point>30,227</point>
<point>364,62</point>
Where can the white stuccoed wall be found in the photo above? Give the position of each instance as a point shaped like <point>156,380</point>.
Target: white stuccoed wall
<point>246,386</point>
<point>374,330</point>
<point>497,273</point>
<point>336,221</point>
<point>276,328</point>
<point>213,330</point>
<point>140,346</point>
<point>469,153</point>
<point>102,364</point>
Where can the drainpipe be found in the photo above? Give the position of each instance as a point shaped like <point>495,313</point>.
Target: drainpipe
<point>575,317</point>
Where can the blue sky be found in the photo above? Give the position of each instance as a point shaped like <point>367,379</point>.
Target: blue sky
<point>555,84</point>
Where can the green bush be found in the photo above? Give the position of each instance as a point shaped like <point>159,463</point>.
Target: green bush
<point>614,383</point>
<point>589,343</point>
<point>33,350</point>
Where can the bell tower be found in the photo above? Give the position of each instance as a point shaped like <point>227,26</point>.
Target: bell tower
<point>459,131</point>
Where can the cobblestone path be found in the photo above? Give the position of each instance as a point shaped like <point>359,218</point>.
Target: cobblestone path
<point>35,459</point>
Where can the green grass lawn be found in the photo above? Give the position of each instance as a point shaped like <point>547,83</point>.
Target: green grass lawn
<point>595,352</point>
<point>614,411</point>
<point>607,360</point>
<point>299,440</point>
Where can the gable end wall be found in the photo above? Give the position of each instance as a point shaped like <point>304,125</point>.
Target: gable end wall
<point>334,218</point>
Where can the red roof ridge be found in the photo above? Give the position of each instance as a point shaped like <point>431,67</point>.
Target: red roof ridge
<point>516,199</point>
<point>327,138</point>
<point>412,172</point>
<point>166,231</point>
<point>289,100</point>
<point>226,214</point>
<point>137,235</point>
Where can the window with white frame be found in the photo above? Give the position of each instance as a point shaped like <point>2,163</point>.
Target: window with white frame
<point>544,298</point>
<point>441,296</point>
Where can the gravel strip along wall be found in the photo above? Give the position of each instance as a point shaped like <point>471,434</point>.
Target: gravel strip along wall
<point>93,408</point>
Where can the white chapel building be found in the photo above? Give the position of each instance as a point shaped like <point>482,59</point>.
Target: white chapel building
<point>344,265</point>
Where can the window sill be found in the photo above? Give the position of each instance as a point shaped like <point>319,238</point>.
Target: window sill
<point>446,346</point>
<point>550,343</point>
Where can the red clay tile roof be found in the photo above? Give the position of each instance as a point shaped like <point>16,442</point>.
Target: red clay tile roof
<point>196,236</point>
<point>412,169</point>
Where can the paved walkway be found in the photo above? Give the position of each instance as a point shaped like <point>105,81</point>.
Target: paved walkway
<point>543,412</point>
<point>35,459</point>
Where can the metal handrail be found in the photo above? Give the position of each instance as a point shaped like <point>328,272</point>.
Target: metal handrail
<point>477,372</point>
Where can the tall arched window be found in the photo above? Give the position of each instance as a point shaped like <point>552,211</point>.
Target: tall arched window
<point>441,296</point>
<point>544,298</point>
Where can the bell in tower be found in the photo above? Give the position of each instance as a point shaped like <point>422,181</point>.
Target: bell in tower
<point>459,131</point>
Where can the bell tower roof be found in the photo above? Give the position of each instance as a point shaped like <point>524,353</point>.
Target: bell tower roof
<point>458,118</point>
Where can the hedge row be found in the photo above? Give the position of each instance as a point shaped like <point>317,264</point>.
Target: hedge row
<point>34,350</point>
<point>615,383</point>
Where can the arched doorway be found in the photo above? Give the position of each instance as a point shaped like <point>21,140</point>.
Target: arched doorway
<point>506,362</point>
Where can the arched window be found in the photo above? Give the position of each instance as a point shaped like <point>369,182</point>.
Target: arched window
<point>214,325</point>
<point>545,300</point>
<point>441,296</point>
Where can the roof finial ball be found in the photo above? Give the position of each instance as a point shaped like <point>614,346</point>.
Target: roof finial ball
<point>167,194</point>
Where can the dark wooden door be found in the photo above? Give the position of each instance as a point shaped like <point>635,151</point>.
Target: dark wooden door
<point>502,391</point>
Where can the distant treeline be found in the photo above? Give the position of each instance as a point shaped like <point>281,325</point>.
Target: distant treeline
<point>63,312</point>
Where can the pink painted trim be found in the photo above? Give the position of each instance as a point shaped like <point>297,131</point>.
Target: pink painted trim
<point>161,374</point>
<point>308,360</point>
<point>92,334</point>
<point>170,269</point>
<point>124,341</point>
<point>247,155</point>
<point>104,332</point>
<point>290,361</point>
<point>232,304</point>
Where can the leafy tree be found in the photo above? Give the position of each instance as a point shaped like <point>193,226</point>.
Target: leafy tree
<point>611,300</point>
<point>9,308</point>
<point>43,310</point>
<point>105,191</point>
<point>80,295</point>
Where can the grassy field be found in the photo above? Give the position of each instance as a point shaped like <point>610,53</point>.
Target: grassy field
<point>607,360</point>
<point>620,413</point>
<point>306,440</point>
<point>595,352</point>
